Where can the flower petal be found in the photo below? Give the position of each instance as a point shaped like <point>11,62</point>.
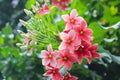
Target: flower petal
<point>80,56</point>
<point>48,73</point>
<point>73,13</point>
<point>81,22</point>
<point>93,47</point>
<point>63,36</point>
<point>62,46</point>
<point>72,58</point>
<point>50,48</point>
<point>57,76</point>
<point>59,63</point>
<point>67,65</point>
<point>45,61</point>
<point>95,54</point>
<point>43,54</point>
<point>72,35</point>
<point>73,78</point>
<point>89,60</point>
<point>88,32</point>
<point>87,54</point>
<point>65,17</point>
<point>53,63</point>
<point>55,54</point>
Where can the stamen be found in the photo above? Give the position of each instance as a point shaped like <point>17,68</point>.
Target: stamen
<point>81,32</point>
<point>50,56</point>
<point>69,41</point>
<point>65,58</point>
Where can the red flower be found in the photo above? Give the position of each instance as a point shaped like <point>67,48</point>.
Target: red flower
<point>54,73</point>
<point>66,59</point>
<point>44,10</point>
<point>82,51</point>
<point>93,52</point>
<point>62,4</point>
<point>69,77</point>
<point>83,33</point>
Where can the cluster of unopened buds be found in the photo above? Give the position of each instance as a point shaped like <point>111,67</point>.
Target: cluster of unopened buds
<point>27,42</point>
<point>76,44</point>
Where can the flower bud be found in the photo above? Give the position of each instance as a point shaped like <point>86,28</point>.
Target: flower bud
<point>34,8</point>
<point>23,47</point>
<point>37,4</point>
<point>47,1</point>
<point>18,44</point>
<point>28,12</point>
<point>23,22</point>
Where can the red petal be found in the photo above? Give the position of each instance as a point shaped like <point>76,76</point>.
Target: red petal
<point>48,73</point>
<point>59,63</point>
<point>67,65</point>
<point>72,58</point>
<point>95,55</point>
<point>93,47</point>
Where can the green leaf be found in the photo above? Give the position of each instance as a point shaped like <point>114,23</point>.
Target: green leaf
<point>98,32</point>
<point>1,40</point>
<point>113,10</point>
<point>110,40</point>
<point>29,4</point>
<point>115,59</point>
<point>7,30</point>
<point>102,50</point>
<point>115,26</point>
<point>15,52</point>
<point>106,57</point>
<point>5,51</point>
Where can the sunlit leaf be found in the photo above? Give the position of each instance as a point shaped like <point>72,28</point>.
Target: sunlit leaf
<point>98,32</point>
<point>1,40</point>
<point>113,10</point>
<point>29,4</point>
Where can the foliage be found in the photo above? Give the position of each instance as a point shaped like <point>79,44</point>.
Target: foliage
<point>10,12</point>
<point>102,17</point>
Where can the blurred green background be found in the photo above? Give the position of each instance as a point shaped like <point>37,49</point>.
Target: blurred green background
<point>102,16</point>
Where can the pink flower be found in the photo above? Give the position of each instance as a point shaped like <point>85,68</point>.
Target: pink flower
<point>54,73</point>
<point>93,52</point>
<point>82,51</point>
<point>69,77</point>
<point>73,20</point>
<point>68,41</point>
<point>83,33</point>
<point>44,10</point>
<point>66,59</point>
<point>49,57</point>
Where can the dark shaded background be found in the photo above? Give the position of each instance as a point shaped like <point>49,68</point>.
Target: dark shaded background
<point>15,67</point>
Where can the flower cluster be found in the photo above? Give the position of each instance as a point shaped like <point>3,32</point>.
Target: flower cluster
<point>44,10</point>
<point>62,4</point>
<point>76,44</point>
